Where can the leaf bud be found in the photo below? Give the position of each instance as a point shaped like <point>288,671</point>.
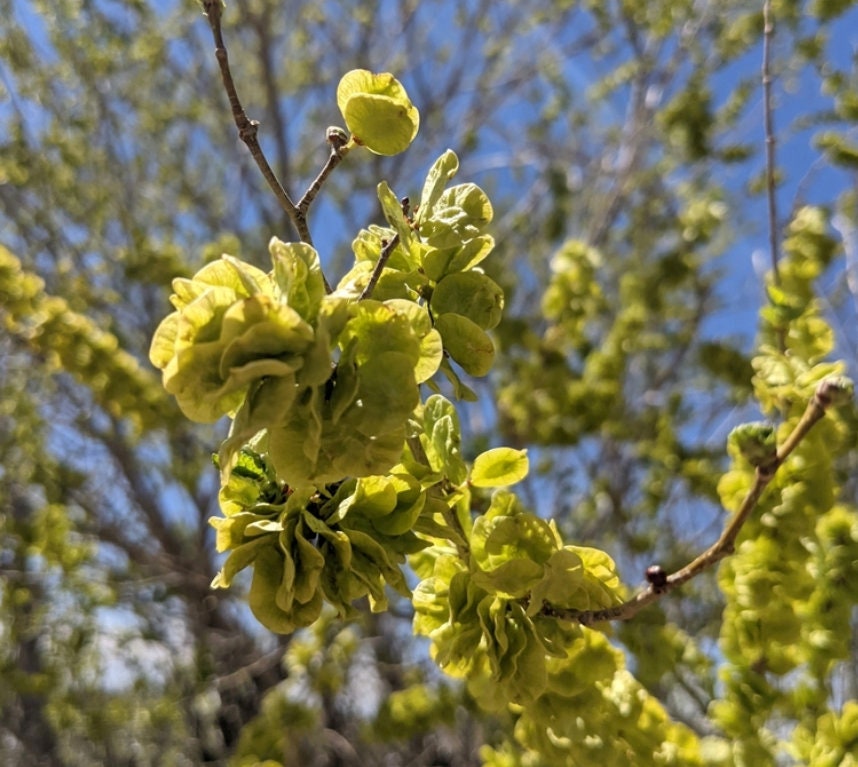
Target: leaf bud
<point>834,391</point>
<point>656,577</point>
<point>337,138</point>
<point>755,441</point>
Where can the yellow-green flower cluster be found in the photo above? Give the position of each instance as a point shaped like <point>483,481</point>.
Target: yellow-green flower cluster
<point>261,347</point>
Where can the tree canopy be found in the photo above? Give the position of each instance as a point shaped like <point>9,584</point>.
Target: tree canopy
<point>468,361</point>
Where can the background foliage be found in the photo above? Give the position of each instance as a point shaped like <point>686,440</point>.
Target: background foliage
<point>622,147</point>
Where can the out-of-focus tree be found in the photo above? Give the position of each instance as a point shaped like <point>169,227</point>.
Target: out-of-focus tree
<point>623,147</point>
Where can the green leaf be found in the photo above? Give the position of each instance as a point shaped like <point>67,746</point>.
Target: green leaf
<point>368,244</point>
<point>460,390</point>
<point>499,467</point>
<point>431,356</point>
<point>440,261</point>
<point>506,534</point>
<point>392,209</point>
<point>298,273</point>
<point>601,586</point>
<point>192,377</point>
<point>163,345</point>
<point>257,327</point>
<point>267,402</point>
<point>511,580</point>
<point>402,519</point>
<point>241,557</point>
<point>375,496</point>
<point>378,328</point>
<point>471,294</point>
<point>443,169</point>
<point>318,363</point>
<point>308,563</point>
<point>467,343</point>
<point>227,272</point>
<point>431,346</point>
<point>343,387</point>
<point>229,330</point>
<point>268,579</point>
<point>387,393</point>
<point>461,214</point>
<point>294,444</point>
<point>443,444</point>
<point>405,285</point>
<point>377,111</point>
<point>563,576</point>
<point>757,442</point>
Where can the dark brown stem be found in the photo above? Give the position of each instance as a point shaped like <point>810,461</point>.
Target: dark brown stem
<point>659,583</point>
<point>248,129</point>
<point>338,151</point>
<point>383,258</point>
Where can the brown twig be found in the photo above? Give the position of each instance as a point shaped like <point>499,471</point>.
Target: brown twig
<point>659,582</point>
<point>383,258</point>
<point>339,141</point>
<point>248,130</point>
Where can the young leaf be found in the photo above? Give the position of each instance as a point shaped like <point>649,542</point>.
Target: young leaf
<point>757,442</point>
<point>443,447</point>
<point>499,467</point>
<point>440,173</point>
<point>299,276</point>
<point>471,294</point>
<point>460,214</point>
<point>467,343</point>
<point>377,111</point>
<point>459,258</point>
<point>392,209</point>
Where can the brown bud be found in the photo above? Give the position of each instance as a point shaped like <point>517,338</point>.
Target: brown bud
<point>337,138</point>
<point>656,577</point>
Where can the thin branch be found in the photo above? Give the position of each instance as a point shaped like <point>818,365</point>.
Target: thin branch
<point>252,671</point>
<point>660,583</point>
<point>339,141</point>
<point>628,154</point>
<point>248,129</point>
<point>334,159</point>
<point>768,120</point>
<point>261,24</point>
<point>383,258</point>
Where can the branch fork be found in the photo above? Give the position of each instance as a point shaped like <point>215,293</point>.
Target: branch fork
<point>248,130</point>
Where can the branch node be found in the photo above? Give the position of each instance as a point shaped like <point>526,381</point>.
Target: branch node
<point>766,471</point>
<point>249,130</point>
